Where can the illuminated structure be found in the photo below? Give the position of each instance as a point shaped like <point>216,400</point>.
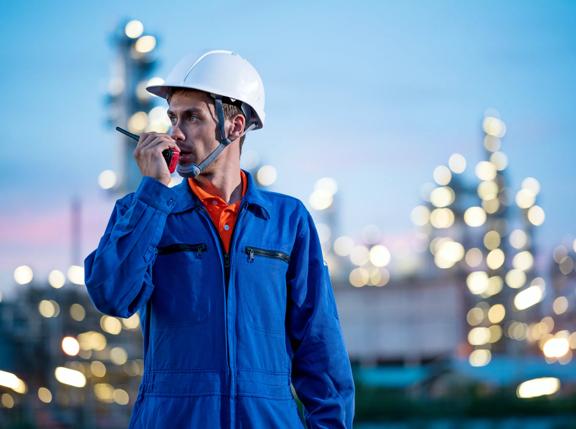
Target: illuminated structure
<point>131,106</point>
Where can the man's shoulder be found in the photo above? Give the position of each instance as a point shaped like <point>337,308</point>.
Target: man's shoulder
<point>282,201</point>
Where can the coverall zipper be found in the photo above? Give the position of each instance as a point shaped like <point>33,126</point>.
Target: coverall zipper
<point>275,254</point>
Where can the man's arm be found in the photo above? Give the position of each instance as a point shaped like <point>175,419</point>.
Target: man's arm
<point>118,273</point>
<point>321,372</point>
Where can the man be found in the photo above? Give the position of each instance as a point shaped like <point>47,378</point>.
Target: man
<point>234,298</point>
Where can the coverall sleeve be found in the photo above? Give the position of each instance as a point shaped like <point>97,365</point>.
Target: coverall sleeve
<point>118,274</point>
<point>321,372</point>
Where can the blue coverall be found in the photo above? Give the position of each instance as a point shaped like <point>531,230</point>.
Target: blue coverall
<point>225,334</point>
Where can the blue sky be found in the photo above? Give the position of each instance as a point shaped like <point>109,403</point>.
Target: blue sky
<point>374,94</point>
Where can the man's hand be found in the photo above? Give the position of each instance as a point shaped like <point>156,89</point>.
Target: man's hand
<point>148,155</point>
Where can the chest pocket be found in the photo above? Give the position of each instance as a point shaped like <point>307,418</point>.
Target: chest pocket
<point>264,295</point>
<point>181,294</point>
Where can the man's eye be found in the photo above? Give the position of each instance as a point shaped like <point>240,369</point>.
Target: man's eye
<point>172,119</point>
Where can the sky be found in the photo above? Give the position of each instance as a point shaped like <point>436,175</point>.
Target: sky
<point>375,94</point>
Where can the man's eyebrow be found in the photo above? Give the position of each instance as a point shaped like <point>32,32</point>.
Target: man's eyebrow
<point>190,110</point>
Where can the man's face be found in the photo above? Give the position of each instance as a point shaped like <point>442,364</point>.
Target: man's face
<point>193,125</point>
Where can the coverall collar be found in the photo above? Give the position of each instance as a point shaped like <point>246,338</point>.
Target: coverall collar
<point>254,198</point>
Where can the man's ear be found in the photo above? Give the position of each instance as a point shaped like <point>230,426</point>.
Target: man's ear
<point>237,124</point>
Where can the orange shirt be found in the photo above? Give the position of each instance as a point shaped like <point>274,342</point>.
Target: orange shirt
<point>223,215</point>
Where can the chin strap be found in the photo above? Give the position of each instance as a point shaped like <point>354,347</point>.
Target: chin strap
<point>194,170</point>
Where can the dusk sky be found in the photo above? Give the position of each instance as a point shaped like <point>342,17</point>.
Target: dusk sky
<point>374,94</point>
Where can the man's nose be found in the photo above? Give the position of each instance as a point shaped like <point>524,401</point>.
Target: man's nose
<point>177,134</point>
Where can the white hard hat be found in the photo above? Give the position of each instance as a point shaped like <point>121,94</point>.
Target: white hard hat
<point>221,73</point>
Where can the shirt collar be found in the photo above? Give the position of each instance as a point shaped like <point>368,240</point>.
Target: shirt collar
<point>253,197</point>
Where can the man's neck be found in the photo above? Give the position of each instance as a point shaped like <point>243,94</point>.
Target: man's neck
<point>227,184</point>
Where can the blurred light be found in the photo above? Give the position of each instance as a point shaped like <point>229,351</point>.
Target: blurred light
<point>118,355</point>
<point>536,215</point>
<point>491,206</point>
<point>566,265</point>
<point>327,184</point>
<point>442,196</point>
<point>495,259</point>
<point>517,331</point>
<point>475,216</point>
<point>495,333</point>
<point>92,340</point>
<point>158,120</point>
<point>492,144</point>
<point>532,184</point>
<point>495,284</point>
<point>473,257</point>
<point>116,86</point>
<point>480,358</point>
<point>574,245</point>
<point>120,396</point>
<point>56,279</point>
<point>379,255</point>
<point>76,274</point>
<point>560,305</point>
<point>448,254</point>
<point>477,282</point>
<point>485,170</point>
<point>71,377</point>
<point>538,387</point>
<point>528,297</point>
<point>138,122</point>
<point>523,261</point>
<point>107,179</point>
<point>77,312</point>
<point>132,322</point>
<point>457,163</point>
<point>23,275</point>
<point>379,277</point>
<point>360,255</point>
<point>7,400</point>
<point>134,29</point>
<point>11,381</point>
<point>488,190</point>
<point>104,392</point>
<point>359,277</point>
<point>44,395</point>
<point>442,175</point>
<point>442,218</point>
<point>70,346</point>
<point>494,127</point>
<point>475,316</point>
<point>525,198</point>
<point>420,215</point>
<point>48,308</point>
<point>496,313</point>
<point>556,347</point>
<point>492,240</point>
<point>515,278</point>
<point>500,160</point>
<point>98,369</point>
<point>548,323</point>
<point>111,325</point>
<point>321,199</point>
<point>145,44</point>
<point>560,253</point>
<point>479,336</point>
<point>518,239</point>
<point>343,245</point>
<point>266,175</point>
<point>572,340</point>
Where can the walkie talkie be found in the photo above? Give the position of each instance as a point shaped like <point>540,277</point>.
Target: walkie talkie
<point>170,156</point>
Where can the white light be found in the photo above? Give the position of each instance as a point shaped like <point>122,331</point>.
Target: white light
<point>475,216</point>
<point>70,346</point>
<point>56,278</point>
<point>23,275</point>
<point>532,184</point>
<point>480,358</point>
<point>321,199</point>
<point>71,377</point>
<point>266,175</point>
<point>379,256</point>
<point>420,215</point>
<point>538,387</point>
<point>500,160</point>
<point>442,175</point>
<point>327,184</point>
<point>343,245</point>
<point>145,44</point>
<point>360,255</point>
<point>528,297</point>
<point>494,127</point>
<point>76,274</point>
<point>107,179</point>
<point>485,170</point>
<point>556,347</point>
<point>134,29</point>
<point>457,163</point>
<point>536,215</point>
<point>442,196</point>
<point>477,282</point>
<point>518,239</point>
<point>11,381</point>
<point>155,81</point>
